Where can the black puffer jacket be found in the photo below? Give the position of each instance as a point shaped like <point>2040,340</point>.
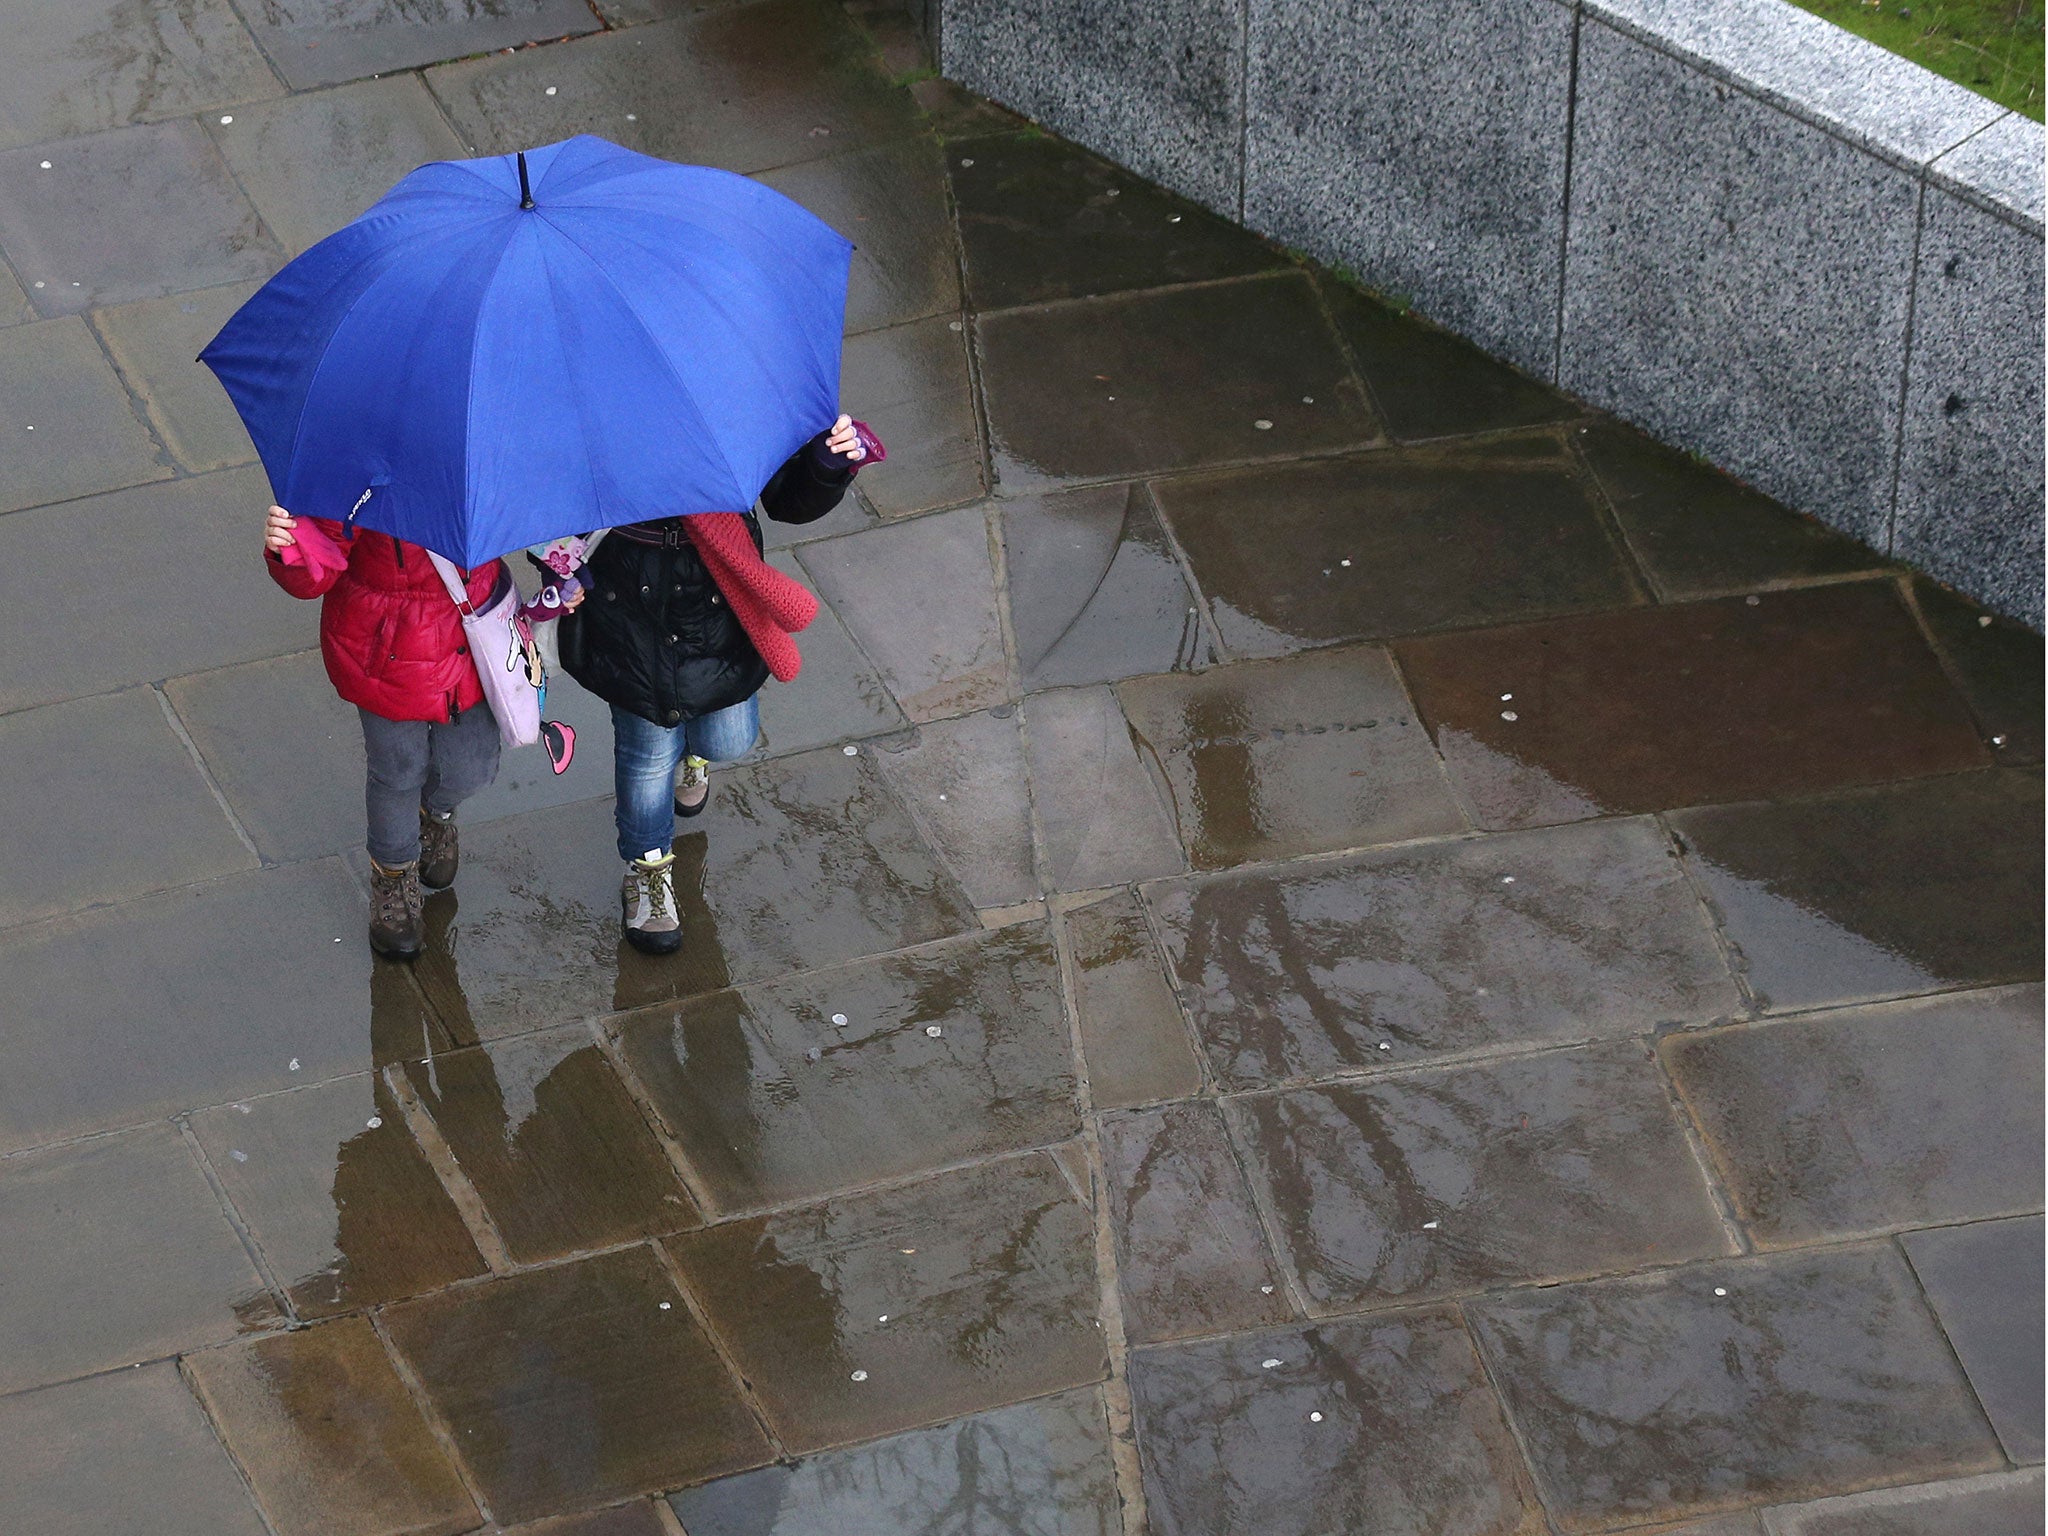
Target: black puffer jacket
<point>654,636</point>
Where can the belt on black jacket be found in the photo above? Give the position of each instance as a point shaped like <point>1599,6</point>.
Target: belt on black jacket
<point>669,537</point>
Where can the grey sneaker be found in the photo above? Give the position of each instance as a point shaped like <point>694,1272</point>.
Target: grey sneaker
<point>649,897</point>
<point>440,852</point>
<point>395,910</point>
<point>693,786</point>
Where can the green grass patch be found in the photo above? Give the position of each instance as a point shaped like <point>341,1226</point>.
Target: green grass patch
<point>1992,46</point>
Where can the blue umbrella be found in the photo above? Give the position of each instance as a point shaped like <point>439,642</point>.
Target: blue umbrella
<point>503,351</point>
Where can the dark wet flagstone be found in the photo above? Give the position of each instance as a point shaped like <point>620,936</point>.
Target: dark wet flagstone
<point>635,1519</point>
<point>129,214</point>
<point>2000,1504</point>
<point>1657,708</point>
<point>319,42</point>
<point>1102,389</point>
<point>1275,760</point>
<point>1651,1397</point>
<point>342,1203</point>
<point>1996,662</point>
<point>116,1252</point>
<point>1701,533</point>
<point>1133,1037</point>
<point>1043,219</point>
<point>557,1149</point>
<point>1543,1167</point>
<point>1408,1441</point>
<point>1394,543</point>
<point>986,1277</point>
<point>772,1101</point>
<point>1191,1258</point>
<point>1877,892</point>
<point>1985,1282</point>
<point>1095,592</point>
<point>88,438</point>
<point>128,1451</point>
<point>1038,1469</point>
<point>154,342</point>
<point>1856,1120</point>
<point>332,1442</point>
<point>573,1385</point>
<point>1428,383</point>
<point>1439,948</point>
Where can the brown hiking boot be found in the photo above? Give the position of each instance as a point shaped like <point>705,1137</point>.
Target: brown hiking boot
<point>652,926</point>
<point>693,786</point>
<point>440,853</point>
<point>395,910</point>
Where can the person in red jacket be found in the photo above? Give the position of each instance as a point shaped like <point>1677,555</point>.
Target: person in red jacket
<point>394,647</point>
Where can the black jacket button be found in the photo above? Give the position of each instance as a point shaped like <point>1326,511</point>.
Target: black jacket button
<point>715,599</point>
<point>674,716</point>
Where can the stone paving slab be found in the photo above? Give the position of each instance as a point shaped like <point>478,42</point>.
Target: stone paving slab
<point>1985,1282</point>
<point>321,42</point>
<point>1038,1469</point>
<point>55,379</point>
<point>1308,755</point>
<point>129,1451</point>
<point>1133,1036</point>
<point>341,1202</point>
<point>1191,1256</point>
<point>883,1311</point>
<point>1103,389</point>
<point>1382,1425</point>
<point>914,377</point>
<point>1998,1505</point>
<point>91,64</point>
<point>951,1052</point>
<point>549,1137</point>
<point>1657,708</point>
<point>964,782</point>
<point>1906,888</point>
<point>153,343</point>
<point>1426,1184</point>
<point>331,1441</point>
<point>311,163</point>
<point>1396,543</point>
<point>136,629</point>
<point>1997,664</point>
<point>117,1253</point>
<point>1103,824</point>
<point>1862,1119</point>
<point>577,1385</point>
<point>1655,1397</point>
<point>1405,954</point>
<point>128,214</point>
<point>838,693</point>
<point>117,749</point>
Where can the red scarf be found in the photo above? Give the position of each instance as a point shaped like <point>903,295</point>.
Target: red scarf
<point>769,606</point>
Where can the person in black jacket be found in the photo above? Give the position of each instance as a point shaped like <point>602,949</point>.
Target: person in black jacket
<point>657,641</point>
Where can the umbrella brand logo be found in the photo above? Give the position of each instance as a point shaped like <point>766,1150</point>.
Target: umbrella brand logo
<point>361,501</point>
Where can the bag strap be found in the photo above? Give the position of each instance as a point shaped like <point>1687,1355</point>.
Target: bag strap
<point>458,589</point>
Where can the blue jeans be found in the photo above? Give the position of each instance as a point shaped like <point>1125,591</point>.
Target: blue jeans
<point>644,758</point>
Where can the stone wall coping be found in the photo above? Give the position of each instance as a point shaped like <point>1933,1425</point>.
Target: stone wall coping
<point>2000,170</point>
<point>1814,71</point>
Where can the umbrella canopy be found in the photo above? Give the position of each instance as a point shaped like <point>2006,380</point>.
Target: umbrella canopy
<point>476,366</point>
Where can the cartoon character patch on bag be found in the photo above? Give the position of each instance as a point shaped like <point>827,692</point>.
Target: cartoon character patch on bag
<point>557,737</point>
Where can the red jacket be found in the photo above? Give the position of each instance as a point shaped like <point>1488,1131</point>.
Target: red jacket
<point>390,636</point>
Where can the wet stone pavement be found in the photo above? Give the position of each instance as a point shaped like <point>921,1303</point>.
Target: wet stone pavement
<point>1327,943</point>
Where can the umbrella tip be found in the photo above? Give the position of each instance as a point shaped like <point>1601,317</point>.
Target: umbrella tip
<point>525,191</point>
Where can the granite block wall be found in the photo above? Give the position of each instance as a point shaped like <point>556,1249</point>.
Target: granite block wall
<point>1751,233</point>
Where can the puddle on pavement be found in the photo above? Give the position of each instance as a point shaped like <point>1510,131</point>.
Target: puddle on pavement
<point>1043,219</point>
<point>1742,1382</point>
<point>1878,892</point>
<point>1900,1114</point>
<point>1543,1168</point>
<point>1276,759</point>
<point>1190,1256</point>
<point>1132,1034</point>
<point>1384,1424</point>
<point>1038,1469</point>
<point>1391,957</point>
<point>577,1385</point>
<point>986,1277</point>
<point>329,1436</point>
<point>1656,708</point>
<point>557,1149</point>
<point>799,862</point>
<point>341,1201</point>
<point>1395,543</point>
<point>1107,388</point>
<point>957,1051</point>
<point>1095,592</point>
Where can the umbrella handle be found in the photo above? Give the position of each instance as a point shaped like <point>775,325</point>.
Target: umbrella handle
<point>525,192</point>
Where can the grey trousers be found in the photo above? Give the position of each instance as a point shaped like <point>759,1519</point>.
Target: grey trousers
<point>420,765</point>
